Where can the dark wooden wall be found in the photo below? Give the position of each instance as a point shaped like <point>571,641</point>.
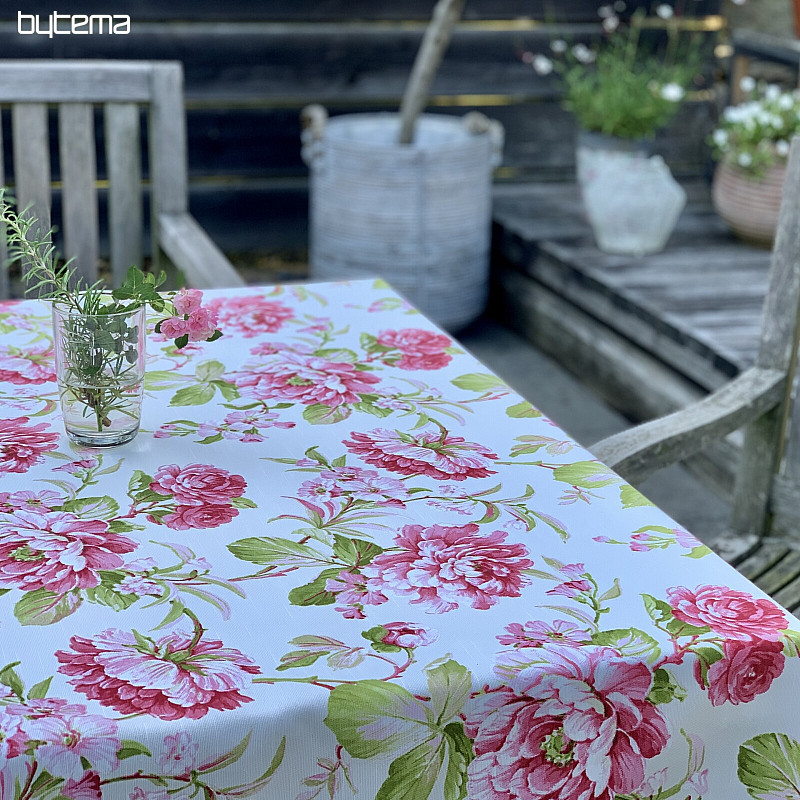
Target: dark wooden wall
<point>251,65</point>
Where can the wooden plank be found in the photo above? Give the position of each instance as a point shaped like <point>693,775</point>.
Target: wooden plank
<point>32,164</point>
<point>168,140</point>
<point>637,453</point>
<point>786,570</point>
<point>193,252</point>
<point>76,81</point>
<point>123,157</point>
<point>764,438</point>
<point>78,175</point>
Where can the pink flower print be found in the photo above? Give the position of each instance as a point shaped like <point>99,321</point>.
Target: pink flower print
<point>57,550</point>
<point>174,328</point>
<point>22,445</point>
<point>142,587</point>
<point>366,484</point>
<point>198,484</point>
<point>180,756</point>
<point>20,367</point>
<point>746,671</point>
<point>420,349</point>
<point>174,677</point>
<point>46,707</point>
<point>573,571</point>
<point>68,740</point>
<point>537,634</point>
<point>441,566</point>
<point>250,316</point>
<point>202,324</point>
<point>352,588</point>
<point>304,379</point>
<point>12,738</point>
<point>577,725</point>
<point>87,788</point>
<point>406,634</point>
<point>571,588</point>
<point>187,300</point>
<point>430,452</point>
<point>734,614</point>
<point>142,565</point>
<point>320,488</point>
<point>185,518</point>
<point>74,467</point>
<point>244,425</point>
<point>43,501</point>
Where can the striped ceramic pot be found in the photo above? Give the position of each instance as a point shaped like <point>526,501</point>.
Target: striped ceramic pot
<point>749,205</point>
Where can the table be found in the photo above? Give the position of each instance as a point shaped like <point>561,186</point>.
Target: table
<point>341,555</point>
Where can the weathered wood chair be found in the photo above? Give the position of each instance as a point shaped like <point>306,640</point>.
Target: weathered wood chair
<point>764,536</point>
<point>121,89</point>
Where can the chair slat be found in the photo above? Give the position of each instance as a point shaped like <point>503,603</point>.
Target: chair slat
<point>32,162</point>
<point>780,336</point>
<point>124,193</point>
<point>78,175</point>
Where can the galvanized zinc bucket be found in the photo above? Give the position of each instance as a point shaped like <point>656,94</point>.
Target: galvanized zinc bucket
<point>417,215</point>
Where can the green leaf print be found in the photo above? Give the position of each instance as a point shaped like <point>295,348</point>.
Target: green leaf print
<point>315,593</point>
<point>523,409</point>
<point>42,607</point>
<point>586,475</point>
<point>665,688</point>
<point>769,767</point>
<point>630,642</point>
<point>478,382</point>
<point>413,775</point>
<point>208,371</point>
<point>355,552</point>
<point>104,507</point>
<point>193,395</point>
<point>373,717</point>
<point>659,610</point>
<point>285,552</point>
<point>461,754</point>
<point>320,414</point>
<point>631,498</point>
<point>10,677</point>
<point>130,748</point>
<point>449,685</point>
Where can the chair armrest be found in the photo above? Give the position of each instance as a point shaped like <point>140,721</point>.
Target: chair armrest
<point>637,452</point>
<point>192,251</point>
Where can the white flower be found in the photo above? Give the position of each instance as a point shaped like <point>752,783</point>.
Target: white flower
<point>542,65</point>
<point>747,84</point>
<point>673,92</point>
<point>558,46</point>
<point>665,11</point>
<point>620,6</point>
<point>745,159</point>
<point>786,102</point>
<point>605,11</point>
<point>610,24</point>
<point>773,92</point>
<point>720,137</point>
<point>782,148</point>
<point>583,54</point>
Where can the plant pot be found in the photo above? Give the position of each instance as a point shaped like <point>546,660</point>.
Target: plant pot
<point>100,366</point>
<point>749,205</point>
<point>418,215</point>
<point>630,198</point>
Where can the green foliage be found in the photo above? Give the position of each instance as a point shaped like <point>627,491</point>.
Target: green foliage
<point>623,88</point>
<point>769,767</point>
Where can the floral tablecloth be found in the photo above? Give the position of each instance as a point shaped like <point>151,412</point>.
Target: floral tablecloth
<point>343,559</point>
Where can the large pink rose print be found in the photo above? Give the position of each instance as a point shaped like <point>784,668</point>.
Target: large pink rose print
<point>442,566</point>
<point>415,349</point>
<point>578,726</point>
<point>22,445</point>
<point>432,452</point>
<point>57,550</point>
<point>729,612</point>
<point>297,378</point>
<point>173,677</point>
<point>250,316</point>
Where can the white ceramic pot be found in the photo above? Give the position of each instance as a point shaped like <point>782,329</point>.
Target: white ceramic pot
<point>630,198</point>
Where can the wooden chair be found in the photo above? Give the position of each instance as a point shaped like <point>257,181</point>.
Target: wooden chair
<point>121,89</point>
<point>764,534</point>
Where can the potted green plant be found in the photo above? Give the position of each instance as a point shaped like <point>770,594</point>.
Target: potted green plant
<point>99,336</point>
<point>751,144</point>
<point>622,91</point>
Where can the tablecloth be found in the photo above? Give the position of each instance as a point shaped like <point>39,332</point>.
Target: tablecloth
<point>343,559</point>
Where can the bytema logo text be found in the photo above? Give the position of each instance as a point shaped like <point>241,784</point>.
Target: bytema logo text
<point>72,24</point>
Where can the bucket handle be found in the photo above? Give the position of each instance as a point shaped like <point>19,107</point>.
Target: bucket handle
<point>478,124</point>
<point>313,119</point>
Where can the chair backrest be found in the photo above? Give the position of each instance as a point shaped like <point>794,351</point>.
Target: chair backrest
<point>122,90</point>
<point>767,489</point>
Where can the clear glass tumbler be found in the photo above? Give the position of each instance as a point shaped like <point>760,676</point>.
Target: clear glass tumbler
<point>100,364</point>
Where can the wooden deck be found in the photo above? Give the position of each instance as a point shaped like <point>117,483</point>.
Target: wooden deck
<point>650,333</point>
